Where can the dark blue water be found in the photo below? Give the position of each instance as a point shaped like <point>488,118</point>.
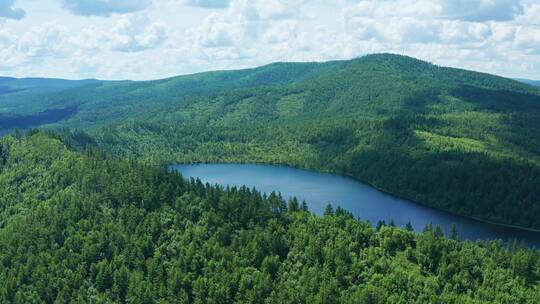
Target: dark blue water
<point>365,202</point>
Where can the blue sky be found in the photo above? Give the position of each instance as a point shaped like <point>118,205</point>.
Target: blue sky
<point>148,39</point>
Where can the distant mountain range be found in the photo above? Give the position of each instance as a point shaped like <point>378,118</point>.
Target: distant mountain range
<point>528,81</point>
<point>23,101</point>
<point>41,84</point>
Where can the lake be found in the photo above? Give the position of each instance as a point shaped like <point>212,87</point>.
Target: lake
<point>363,201</point>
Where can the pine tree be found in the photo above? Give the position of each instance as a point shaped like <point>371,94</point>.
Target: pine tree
<point>329,210</point>
<point>380,224</point>
<point>454,233</point>
<point>409,226</point>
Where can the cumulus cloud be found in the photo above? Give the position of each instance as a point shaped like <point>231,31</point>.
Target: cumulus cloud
<point>283,32</point>
<point>250,33</point>
<point>443,22</point>
<point>498,36</point>
<point>37,46</point>
<point>464,10</point>
<point>104,7</point>
<point>6,38</point>
<point>215,32</point>
<point>131,33</point>
<point>245,22</point>
<point>42,42</point>
<point>528,39</point>
<point>8,11</point>
<point>8,49</point>
<point>482,10</point>
<point>136,33</point>
<point>531,15</point>
<point>87,52</point>
<point>486,35</point>
<point>393,8</point>
<point>207,3</point>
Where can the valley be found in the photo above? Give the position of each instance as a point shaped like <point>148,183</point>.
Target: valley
<point>269,152</point>
<point>455,140</point>
<point>88,183</point>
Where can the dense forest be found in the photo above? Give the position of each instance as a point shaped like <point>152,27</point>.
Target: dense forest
<point>461,141</point>
<point>27,121</point>
<point>464,142</point>
<point>78,225</point>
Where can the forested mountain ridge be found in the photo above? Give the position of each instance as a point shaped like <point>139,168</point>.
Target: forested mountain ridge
<point>85,227</point>
<point>458,140</point>
<point>105,102</point>
<point>27,95</point>
<point>11,84</point>
<point>24,102</point>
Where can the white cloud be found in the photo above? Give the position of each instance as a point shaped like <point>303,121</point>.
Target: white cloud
<point>8,11</point>
<point>215,31</point>
<point>177,36</point>
<point>136,33</point>
<point>8,50</point>
<point>41,42</point>
<point>283,32</point>
<point>392,8</point>
<point>50,48</point>
<point>245,23</point>
<point>104,7</point>
<point>6,38</point>
<point>83,64</point>
<point>363,23</point>
<point>464,10</point>
<point>528,39</point>
<point>207,3</point>
<point>130,33</point>
<point>503,32</point>
<point>22,53</point>
<point>274,9</point>
<point>482,10</point>
<point>531,15</point>
<point>487,35</point>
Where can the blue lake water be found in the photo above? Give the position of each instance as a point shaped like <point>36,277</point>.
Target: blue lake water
<point>363,201</point>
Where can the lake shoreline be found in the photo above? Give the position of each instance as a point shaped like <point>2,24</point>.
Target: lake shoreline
<point>314,170</point>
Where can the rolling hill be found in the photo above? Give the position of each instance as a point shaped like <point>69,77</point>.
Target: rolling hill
<point>26,95</point>
<point>457,140</point>
<point>24,103</point>
<point>104,102</point>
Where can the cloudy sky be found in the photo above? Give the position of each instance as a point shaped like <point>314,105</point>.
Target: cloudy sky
<point>148,39</point>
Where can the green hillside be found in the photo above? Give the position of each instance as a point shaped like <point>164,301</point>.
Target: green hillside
<point>24,102</point>
<point>461,141</point>
<point>84,227</point>
<point>103,103</point>
<point>28,95</point>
